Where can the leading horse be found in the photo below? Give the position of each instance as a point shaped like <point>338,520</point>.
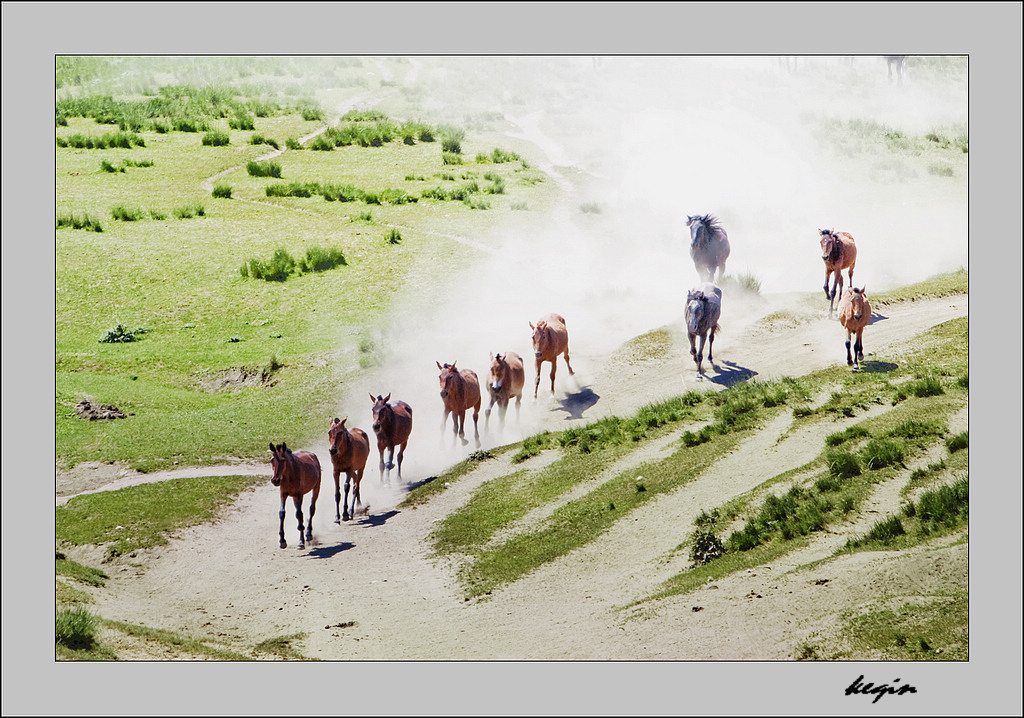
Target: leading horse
<point>296,473</point>
<point>550,338</point>
<point>854,314</point>
<point>838,252</point>
<point>392,423</point>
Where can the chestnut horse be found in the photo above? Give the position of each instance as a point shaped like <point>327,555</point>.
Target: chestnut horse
<point>392,423</point>
<point>460,392</point>
<point>506,381</point>
<point>550,338</point>
<point>854,314</point>
<point>703,309</point>
<point>839,252</point>
<point>297,474</point>
<point>349,449</point>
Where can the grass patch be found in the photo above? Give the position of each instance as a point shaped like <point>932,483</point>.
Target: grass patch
<point>83,574</point>
<point>139,517</point>
<point>282,647</point>
<point>933,630</point>
<point>175,641</point>
<point>75,628</point>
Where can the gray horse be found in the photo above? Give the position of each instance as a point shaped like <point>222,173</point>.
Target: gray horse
<point>703,309</point>
<point>709,246</point>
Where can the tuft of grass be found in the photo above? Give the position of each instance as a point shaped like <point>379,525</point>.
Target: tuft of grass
<point>263,169</point>
<point>124,214</point>
<point>222,191</point>
<point>83,574</point>
<point>878,453</point>
<point>216,138</point>
<point>78,222</point>
<point>956,443</point>
<point>393,236</point>
<point>75,628</point>
<point>281,646</point>
<point>320,259</point>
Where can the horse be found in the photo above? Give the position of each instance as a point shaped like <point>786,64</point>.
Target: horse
<point>703,309</point>
<point>709,246</point>
<point>550,338</point>
<point>296,473</point>
<point>392,423</point>
<point>460,392</point>
<point>898,61</point>
<point>349,450</point>
<point>506,381</point>
<point>839,252</point>
<point>854,314</point>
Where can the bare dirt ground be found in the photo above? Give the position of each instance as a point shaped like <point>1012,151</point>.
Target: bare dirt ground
<point>369,589</point>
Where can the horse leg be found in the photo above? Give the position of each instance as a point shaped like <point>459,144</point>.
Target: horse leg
<point>345,516</point>
<point>858,348</point>
<point>476,426</point>
<point>284,544</point>
<point>554,366</point>
<point>391,462</point>
<point>536,383</point>
<point>566,355</point>
<point>460,427</point>
<point>444,420</point>
<point>487,414</point>
<point>711,344</point>
<point>380,450</point>
<point>849,359</point>
<point>337,495</point>
<point>401,455</point>
<point>312,511</point>
<point>502,408</point>
<point>356,498</point>
<point>825,286</point>
<point>298,515</point>
<point>700,356</point>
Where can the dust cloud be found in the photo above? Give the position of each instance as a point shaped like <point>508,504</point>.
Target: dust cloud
<point>649,140</point>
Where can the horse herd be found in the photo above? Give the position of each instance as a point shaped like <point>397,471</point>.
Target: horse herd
<point>298,473</point>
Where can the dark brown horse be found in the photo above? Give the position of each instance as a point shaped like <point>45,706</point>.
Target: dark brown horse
<point>550,338</point>
<point>296,473</point>
<point>349,449</point>
<point>854,314</point>
<point>839,252</point>
<point>506,381</point>
<point>460,392</point>
<point>392,423</point>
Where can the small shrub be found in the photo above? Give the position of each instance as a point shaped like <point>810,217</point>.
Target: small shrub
<point>853,432</point>
<point>886,530</point>
<point>879,453</point>
<point>956,443</point>
<point>320,259</point>
<point>121,334</point>
<point>157,214</point>
<point>929,386</point>
<point>216,138</point>
<point>76,222</point>
<point>276,269</point>
<point>126,215</point>
<point>261,140</point>
<point>263,169</point>
<point>452,145</point>
<point>321,144</point>
<point>706,548</point>
<point>189,211</point>
<point>222,191</point>
<point>293,144</point>
<point>242,121</point>
<point>106,166</point>
<point>393,236</point>
<point>75,627</point>
<point>450,158</point>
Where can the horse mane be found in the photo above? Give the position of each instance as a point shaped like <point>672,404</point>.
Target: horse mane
<point>711,222</point>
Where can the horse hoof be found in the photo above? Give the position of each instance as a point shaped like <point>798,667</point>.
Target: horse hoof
<point>302,546</point>
<point>284,545</point>
<point>337,520</point>
<point>347,518</point>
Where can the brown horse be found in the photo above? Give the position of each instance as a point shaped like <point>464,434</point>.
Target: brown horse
<point>460,392</point>
<point>392,423</point>
<point>550,338</point>
<point>297,473</point>
<point>349,449</point>
<point>854,314</point>
<point>506,381</point>
<point>839,252</point>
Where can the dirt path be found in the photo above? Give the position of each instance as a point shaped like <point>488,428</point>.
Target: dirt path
<point>369,589</point>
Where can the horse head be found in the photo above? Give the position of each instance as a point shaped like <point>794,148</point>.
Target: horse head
<point>380,405</point>
<point>828,244</point>
<point>446,377</point>
<point>541,339</point>
<point>498,370</point>
<point>858,301</point>
<point>696,303</point>
<point>337,435</point>
<point>279,462</point>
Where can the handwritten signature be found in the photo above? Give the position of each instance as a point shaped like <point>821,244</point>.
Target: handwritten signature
<point>858,686</point>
